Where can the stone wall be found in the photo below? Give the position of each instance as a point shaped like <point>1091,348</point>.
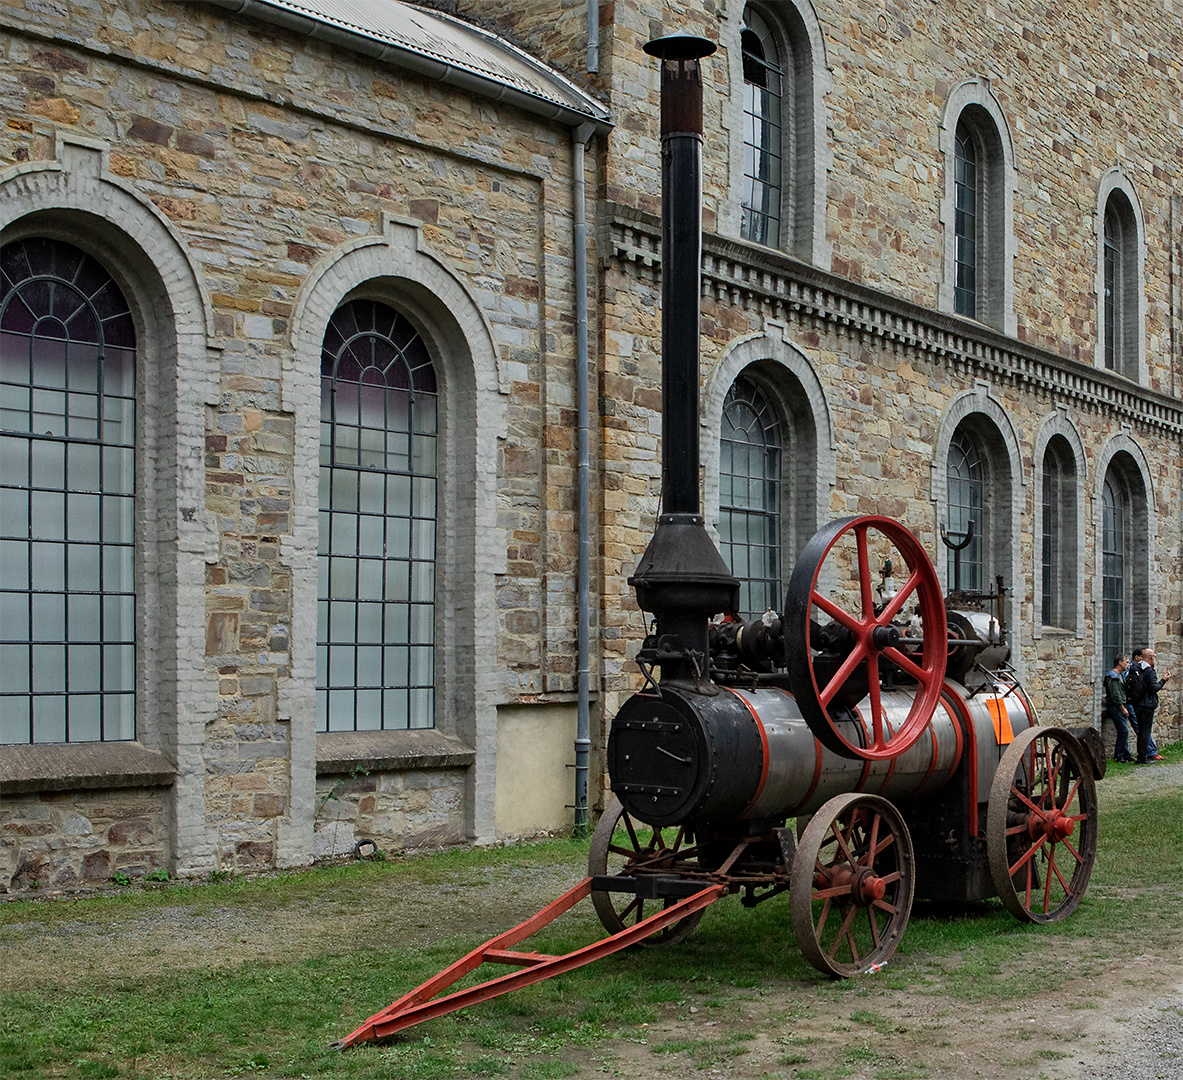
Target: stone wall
<point>74,840</point>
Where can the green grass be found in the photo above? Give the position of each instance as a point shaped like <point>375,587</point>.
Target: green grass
<point>276,1016</point>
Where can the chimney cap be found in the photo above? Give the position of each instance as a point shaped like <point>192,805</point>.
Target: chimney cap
<point>680,46</point>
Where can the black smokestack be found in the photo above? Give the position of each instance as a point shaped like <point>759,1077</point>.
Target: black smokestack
<point>681,578</point>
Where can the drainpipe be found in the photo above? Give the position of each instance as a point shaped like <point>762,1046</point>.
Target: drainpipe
<point>580,137</point>
<point>593,35</point>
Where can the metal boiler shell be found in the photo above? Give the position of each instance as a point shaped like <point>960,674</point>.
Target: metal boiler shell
<point>688,758</point>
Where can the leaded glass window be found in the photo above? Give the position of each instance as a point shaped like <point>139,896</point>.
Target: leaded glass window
<point>376,553</point>
<point>67,498</point>
<point>965,222</point>
<point>763,84</point>
<point>749,496</point>
<point>966,488</point>
<point>1114,572</point>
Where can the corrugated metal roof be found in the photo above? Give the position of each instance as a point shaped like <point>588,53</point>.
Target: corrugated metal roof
<point>435,44</point>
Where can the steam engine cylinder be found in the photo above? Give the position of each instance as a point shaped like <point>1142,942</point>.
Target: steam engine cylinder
<point>687,758</point>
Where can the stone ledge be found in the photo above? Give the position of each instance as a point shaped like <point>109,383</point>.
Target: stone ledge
<point>389,751</point>
<point>82,767</point>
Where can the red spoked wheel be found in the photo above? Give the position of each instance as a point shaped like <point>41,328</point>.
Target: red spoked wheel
<point>1041,825</point>
<point>845,548</point>
<point>850,891</point>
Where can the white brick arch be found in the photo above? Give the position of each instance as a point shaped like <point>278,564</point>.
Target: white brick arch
<point>1131,343</point>
<point>1072,532</point>
<point>397,268</point>
<point>786,375</point>
<point>76,199</point>
<point>994,432</point>
<point>1124,458</point>
<point>974,101</point>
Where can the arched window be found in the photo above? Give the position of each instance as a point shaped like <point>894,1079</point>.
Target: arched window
<point>764,141</point>
<point>1058,585</point>
<point>67,498</point>
<point>1115,572</point>
<point>750,496</point>
<point>1121,275</point>
<point>376,565</point>
<point>966,215</point>
<point>976,208</point>
<point>966,488</point>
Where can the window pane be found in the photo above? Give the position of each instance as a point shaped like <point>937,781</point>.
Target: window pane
<point>377,509</point>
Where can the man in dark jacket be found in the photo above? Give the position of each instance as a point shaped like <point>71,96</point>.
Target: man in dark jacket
<point>1115,705</point>
<point>1144,707</point>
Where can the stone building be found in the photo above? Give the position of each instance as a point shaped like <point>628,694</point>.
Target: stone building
<point>293,323</point>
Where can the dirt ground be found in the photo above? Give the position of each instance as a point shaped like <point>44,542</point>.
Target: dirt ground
<point>1082,1017</point>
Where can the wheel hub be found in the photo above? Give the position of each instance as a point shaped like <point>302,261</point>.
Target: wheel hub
<point>864,885</point>
<point>1055,826</point>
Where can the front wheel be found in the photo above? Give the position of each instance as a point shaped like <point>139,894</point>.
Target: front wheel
<point>850,892</point>
<point>619,846</point>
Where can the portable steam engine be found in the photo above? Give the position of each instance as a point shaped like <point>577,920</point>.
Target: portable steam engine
<point>885,721</point>
<point>883,718</point>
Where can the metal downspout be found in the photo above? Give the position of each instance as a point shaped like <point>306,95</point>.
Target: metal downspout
<point>580,137</point>
<point>593,35</point>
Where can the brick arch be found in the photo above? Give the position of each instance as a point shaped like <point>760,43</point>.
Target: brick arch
<point>75,198</point>
<point>1059,424</point>
<point>398,268</point>
<point>1123,454</point>
<point>994,430</point>
<point>974,101</point>
<point>785,373</point>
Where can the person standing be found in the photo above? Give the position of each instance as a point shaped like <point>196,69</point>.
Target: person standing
<point>1146,703</point>
<point>1118,709</point>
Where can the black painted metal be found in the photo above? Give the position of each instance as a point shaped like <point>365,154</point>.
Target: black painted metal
<point>682,579</point>
<point>683,757</point>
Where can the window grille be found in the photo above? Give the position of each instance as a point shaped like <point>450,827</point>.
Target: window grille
<point>965,222</point>
<point>67,498</point>
<point>763,132</point>
<point>1048,545</point>
<point>376,553</point>
<point>965,490</point>
<point>749,496</point>
<point>1113,569</point>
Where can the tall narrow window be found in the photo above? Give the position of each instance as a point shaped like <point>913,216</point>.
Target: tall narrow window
<point>965,223</point>
<point>67,498</point>
<point>1121,282</point>
<point>1114,572</point>
<point>966,504</point>
<point>376,609</point>
<point>763,82</point>
<point>1059,587</point>
<point>1113,310</point>
<point>749,496</point>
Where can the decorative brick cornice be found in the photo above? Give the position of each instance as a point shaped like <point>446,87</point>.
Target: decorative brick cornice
<point>752,277</point>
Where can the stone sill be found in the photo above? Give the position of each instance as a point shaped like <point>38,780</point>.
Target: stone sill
<point>339,752</point>
<point>82,767</point>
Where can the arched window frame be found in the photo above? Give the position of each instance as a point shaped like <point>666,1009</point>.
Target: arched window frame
<point>1124,466</point>
<point>988,423</point>
<point>1120,277</point>
<point>808,454</point>
<point>378,494</point>
<point>75,197</point>
<point>973,112</point>
<point>71,349</point>
<point>805,152</point>
<point>1067,543</point>
<point>399,267</point>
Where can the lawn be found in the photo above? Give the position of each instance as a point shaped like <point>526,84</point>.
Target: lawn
<point>259,976</point>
